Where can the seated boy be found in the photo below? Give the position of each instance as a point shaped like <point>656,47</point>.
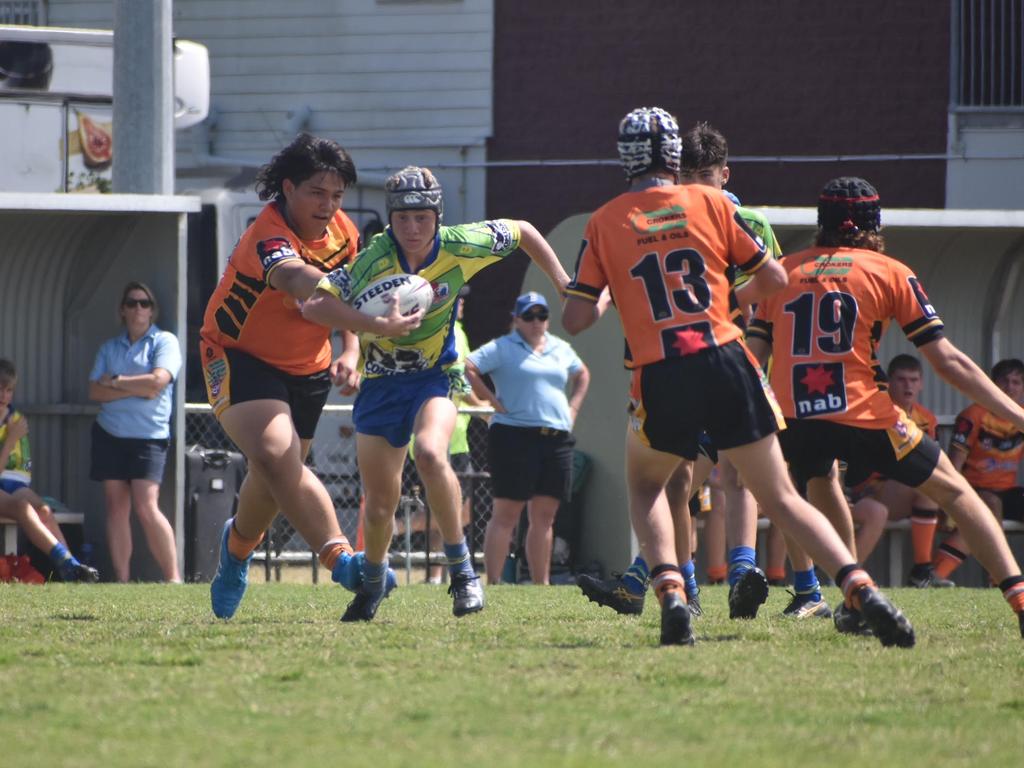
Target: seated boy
<point>18,501</point>
<point>988,451</point>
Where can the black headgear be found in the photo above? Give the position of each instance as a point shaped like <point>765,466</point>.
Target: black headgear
<point>848,204</point>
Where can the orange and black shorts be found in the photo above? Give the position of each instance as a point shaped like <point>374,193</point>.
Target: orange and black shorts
<point>233,377</point>
<point>720,390</point>
<point>812,445</point>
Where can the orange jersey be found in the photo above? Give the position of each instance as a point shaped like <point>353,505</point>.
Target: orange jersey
<point>993,446</point>
<point>664,252</point>
<point>924,419</point>
<point>825,326</point>
<point>246,313</point>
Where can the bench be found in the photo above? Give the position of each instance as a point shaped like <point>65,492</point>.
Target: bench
<point>10,528</point>
<point>897,535</point>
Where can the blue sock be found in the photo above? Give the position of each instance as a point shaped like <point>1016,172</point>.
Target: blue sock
<point>636,577</point>
<point>373,577</point>
<point>457,556</point>
<point>741,560</point>
<point>806,583</point>
<point>689,572</point>
<point>63,560</point>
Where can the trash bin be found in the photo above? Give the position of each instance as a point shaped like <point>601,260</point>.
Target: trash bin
<point>213,478</point>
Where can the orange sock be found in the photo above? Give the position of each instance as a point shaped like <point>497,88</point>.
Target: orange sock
<point>717,573</point>
<point>332,550</point>
<point>947,560</point>
<point>1013,591</point>
<point>776,574</point>
<point>239,547</point>
<point>852,583</point>
<point>669,580</point>
<point>922,534</point>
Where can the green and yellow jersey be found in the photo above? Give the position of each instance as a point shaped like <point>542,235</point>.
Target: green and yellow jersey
<point>459,253</point>
<point>19,461</point>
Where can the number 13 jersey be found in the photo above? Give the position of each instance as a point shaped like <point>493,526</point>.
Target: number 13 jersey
<point>664,252</point>
<point>825,326</point>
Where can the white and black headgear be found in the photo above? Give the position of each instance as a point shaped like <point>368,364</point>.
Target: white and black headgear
<point>648,141</point>
<point>413,188</point>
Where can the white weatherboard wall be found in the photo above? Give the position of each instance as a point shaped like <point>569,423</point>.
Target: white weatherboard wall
<point>971,263</point>
<point>395,82</point>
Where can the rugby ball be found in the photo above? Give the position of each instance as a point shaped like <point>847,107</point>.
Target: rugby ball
<point>411,292</point>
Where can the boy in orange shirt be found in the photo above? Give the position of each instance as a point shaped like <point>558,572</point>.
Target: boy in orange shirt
<point>988,450</point>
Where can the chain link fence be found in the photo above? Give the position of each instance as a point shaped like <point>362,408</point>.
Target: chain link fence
<point>333,458</point>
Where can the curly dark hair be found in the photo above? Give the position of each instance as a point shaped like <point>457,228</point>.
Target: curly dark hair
<point>305,156</point>
<point>833,238</point>
<point>703,147</point>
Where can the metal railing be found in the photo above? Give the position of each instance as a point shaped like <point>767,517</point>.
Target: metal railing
<point>987,55</point>
<point>332,457</point>
<point>30,12</point>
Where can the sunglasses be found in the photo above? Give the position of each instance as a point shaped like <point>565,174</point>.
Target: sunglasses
<point>531,316</point>
<point>133,303</point>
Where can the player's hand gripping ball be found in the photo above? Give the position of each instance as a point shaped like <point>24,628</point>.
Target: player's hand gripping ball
<point>411,292</point>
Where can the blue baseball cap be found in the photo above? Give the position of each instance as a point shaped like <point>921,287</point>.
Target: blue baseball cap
<point>530,299</point>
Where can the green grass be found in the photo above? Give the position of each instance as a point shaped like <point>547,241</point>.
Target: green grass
<point>142,675</point>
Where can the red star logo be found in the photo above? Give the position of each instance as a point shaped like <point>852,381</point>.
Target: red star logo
<point>689,341</point>
<point>817,380</point>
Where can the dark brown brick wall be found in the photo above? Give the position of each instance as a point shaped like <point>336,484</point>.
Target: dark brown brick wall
<point>782,77</point>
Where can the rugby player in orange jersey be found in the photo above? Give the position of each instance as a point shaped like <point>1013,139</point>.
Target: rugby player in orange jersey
<point>268,370</point>
<point>823,329</point>
<point>664,250</point>
<point>988,451</point>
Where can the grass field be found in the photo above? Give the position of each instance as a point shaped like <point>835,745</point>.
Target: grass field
<point>142,675</point>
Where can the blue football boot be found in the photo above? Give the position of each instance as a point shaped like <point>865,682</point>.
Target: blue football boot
<point>348,571</point>
<point>228,586</point>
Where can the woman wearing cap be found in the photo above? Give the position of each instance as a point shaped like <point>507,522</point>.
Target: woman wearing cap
<point>131,380</point>
<point>405,386</point>
<point>530,442</point>
<point>823,329</point>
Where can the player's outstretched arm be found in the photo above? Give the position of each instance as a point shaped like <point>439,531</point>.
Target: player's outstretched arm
<point>326,309</point>
<point>541,253</point>
<point>959,371</point>
<point>771,277</point>
<point>579,314</point>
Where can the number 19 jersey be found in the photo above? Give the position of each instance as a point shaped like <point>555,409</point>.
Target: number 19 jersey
<point>664,252</point>
<point>825,326</point>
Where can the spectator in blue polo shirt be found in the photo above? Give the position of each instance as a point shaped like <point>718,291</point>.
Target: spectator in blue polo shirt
<point>131,379</point>
<point>530,442</point>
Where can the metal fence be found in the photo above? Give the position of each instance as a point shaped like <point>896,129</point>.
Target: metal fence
<point>333,458</point>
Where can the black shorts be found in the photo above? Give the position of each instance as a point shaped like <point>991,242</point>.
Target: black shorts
<point>812,445</point>
<point>1013,502</point>
<point>529,461</point>
<point>126,458</point>
<point>719,390</point>
<point>236,377</point>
